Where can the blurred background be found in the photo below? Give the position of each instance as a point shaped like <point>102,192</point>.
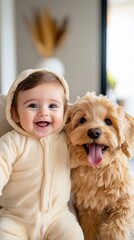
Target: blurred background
<point>120,52</point>
<point>79,50</point>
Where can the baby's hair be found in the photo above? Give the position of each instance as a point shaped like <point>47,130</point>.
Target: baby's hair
<point>33,80</point>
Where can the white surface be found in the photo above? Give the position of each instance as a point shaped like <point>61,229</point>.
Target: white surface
<point>7,45</point>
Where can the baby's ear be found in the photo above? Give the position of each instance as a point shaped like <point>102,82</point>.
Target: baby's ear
<point>128,128</point>
<point>15,115</point>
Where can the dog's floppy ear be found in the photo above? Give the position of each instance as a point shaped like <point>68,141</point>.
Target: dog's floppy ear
<point>69,112</point>
<point>128,128</point>
<point>70,109</point>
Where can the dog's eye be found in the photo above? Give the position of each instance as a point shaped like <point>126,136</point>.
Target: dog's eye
<point>83,120</point>
<point>108,122</point>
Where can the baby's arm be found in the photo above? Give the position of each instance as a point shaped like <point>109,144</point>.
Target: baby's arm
<point>8,155</point>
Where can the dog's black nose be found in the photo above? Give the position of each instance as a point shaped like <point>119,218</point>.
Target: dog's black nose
<point>94,133</point>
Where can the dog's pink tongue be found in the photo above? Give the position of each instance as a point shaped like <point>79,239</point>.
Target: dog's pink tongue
<point>95,154</point>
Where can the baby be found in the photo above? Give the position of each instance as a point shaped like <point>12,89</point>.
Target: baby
<point>34,161</point>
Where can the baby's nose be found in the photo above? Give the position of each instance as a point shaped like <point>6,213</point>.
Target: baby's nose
<point>43,111</point>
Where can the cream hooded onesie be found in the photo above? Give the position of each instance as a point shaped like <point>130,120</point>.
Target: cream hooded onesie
<point>35,182</point>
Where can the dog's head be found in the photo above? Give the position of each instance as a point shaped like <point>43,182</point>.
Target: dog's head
<point>97,129</point>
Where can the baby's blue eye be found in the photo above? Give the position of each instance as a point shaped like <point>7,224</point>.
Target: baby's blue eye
<point>52,106</point>
<point>32,105</point>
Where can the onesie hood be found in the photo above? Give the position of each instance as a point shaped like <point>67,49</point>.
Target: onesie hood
<point>21,77</point>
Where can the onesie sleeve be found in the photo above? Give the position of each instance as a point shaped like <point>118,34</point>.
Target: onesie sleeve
<point>8,155</point>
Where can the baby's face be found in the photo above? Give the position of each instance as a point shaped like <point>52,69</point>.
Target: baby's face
<point>40,109</point>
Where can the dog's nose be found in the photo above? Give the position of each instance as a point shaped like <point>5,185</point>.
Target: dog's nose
<point>94,133</point>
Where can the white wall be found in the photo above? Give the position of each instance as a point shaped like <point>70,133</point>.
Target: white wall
<point>7,45</point>
<point>81,51</point>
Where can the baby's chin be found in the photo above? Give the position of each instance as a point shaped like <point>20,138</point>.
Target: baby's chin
<point>41,134</point>
<point>36,134</point>
<point>48,131</point>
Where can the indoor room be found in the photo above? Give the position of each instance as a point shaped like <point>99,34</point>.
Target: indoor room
<point>89,43</point>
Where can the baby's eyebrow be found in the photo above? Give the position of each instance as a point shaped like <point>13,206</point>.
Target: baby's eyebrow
<point>55,101</point>
<point>28,101</point>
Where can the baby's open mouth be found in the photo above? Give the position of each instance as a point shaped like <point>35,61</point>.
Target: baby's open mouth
<point>42,123</point>
<point>95,152</point>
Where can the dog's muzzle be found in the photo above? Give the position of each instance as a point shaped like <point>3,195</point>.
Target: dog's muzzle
<point>94,151</point>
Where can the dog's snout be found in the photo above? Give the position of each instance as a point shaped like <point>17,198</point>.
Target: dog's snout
<point>94,133</point>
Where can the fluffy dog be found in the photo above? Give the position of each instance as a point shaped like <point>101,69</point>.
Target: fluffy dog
<point>101,139</point>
